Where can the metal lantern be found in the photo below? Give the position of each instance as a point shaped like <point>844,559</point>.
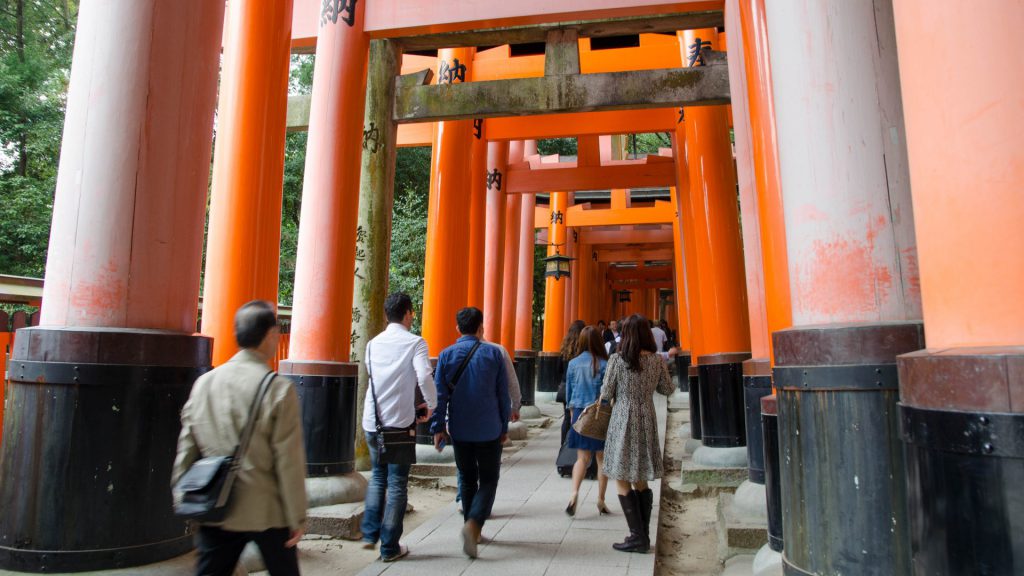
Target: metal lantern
<point>557,266</point>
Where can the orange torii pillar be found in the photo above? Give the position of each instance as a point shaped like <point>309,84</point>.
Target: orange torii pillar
<point>244,240</point>
<point>715,260</point>
<point>444,281</point>
<point>549,367</point>
<point>328,259</point>
<point>477,217</point>
<point>763,230</point>
<point>95,392</point>
<point>513,216</point>
<point>854,287</point>
<point>524,295</point>
<point>526,355</point>
<point>494,248</point>
<point>682,305</point>
<point>964,482</point>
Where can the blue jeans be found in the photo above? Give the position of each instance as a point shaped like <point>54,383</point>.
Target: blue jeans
<point>382,520</point>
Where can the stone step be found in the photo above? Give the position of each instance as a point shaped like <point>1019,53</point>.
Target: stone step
<point>739,532</point>
<point>337,521</point>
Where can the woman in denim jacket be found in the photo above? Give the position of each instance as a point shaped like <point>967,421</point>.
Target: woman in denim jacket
<point>583,379</point>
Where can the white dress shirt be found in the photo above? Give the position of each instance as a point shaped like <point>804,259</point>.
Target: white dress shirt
<point>659,338</point>
<point>397,361</point>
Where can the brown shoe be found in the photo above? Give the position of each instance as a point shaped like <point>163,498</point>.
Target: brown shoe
<point>470,537</point>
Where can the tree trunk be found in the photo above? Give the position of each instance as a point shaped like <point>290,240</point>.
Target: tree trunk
<point>20,46</point>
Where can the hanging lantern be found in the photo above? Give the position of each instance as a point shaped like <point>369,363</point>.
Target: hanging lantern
<point>557,266</point>
<point>624,296</point>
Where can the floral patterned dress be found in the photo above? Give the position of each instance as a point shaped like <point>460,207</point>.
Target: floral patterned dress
<point>632,449</point>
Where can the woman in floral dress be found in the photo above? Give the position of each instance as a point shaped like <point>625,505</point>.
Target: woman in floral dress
<point>632,452</point>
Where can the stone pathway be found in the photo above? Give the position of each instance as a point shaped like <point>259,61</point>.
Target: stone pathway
<point>529,533</point>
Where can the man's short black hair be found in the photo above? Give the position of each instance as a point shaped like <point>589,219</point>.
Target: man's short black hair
<point>601,323</point>
<point>469,320</point>
<point>396,306</point>
<point>252,322</point>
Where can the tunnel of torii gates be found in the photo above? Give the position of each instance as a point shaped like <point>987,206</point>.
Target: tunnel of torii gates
<point>857,252</point>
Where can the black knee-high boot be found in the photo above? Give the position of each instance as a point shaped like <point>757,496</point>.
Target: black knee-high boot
<point>646,506</point>
<point>637,540</point>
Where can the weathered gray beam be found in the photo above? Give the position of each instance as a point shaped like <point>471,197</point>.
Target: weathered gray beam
<point>562,53</point>
<point>700,86</point>
<point>585,28</point>
<point>376,197</point>
<point>298,112</point>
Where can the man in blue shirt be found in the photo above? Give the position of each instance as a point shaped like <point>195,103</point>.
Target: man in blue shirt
<point>474,406</point>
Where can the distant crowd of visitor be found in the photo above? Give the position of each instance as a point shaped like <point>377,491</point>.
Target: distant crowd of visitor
<point>468,399</point>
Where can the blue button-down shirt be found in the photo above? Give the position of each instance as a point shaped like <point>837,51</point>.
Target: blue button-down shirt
<point>582,386</point>
<point>479,409</point>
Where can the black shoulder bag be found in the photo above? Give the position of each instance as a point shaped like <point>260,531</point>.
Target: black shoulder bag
<point>394,445</point>
<point>206,486</point>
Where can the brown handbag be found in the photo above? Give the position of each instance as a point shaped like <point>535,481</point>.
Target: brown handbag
<point>593,421</point>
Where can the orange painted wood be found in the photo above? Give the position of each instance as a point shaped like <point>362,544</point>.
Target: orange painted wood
<point>714,258</point>
<point>634,255</point>
<point>244,239</point>
<point>582,123</point>
<point>554,290</point>
<point>652,175</point>
<point>513,220</point>
<point>477,222</point>
<point>764,142</point>
<point>494,256</point>
<point>661,213</point>
<point>327,257</point>
<point>596,236</point>
<point>682,308</point>
<point>126,237</point>
<point>444,282</point>
<point>968,208</point>
<point>524,295</point>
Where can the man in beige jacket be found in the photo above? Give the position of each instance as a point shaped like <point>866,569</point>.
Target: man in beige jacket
<point>268,500</point>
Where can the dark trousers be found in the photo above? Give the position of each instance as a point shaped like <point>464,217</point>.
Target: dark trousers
<point>479,463</point>
<point>219,551</point>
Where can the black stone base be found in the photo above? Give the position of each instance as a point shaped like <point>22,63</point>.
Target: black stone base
<point>721,400</point>
<point>550,371</point>
<point>90,436</point>
<point>682,363</point>
<point>772,481</point>
<point>526,372</point>
<point>844,508</point>
<point>757,383</point>
<point>327,399</point>
<point>696,430</point>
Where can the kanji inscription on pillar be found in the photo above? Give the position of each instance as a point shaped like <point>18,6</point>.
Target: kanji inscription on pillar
<point>682,115</point>
<point>478,128</point>
<point>332,10</point>
<point>357,314</point>
<point>450,73</point>
<point>697,50</point>
<point>557,217</point>
<point>494,179</point>
<point>371,139</point>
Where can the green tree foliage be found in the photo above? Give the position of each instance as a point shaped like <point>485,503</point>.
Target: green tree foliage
<point>36,38</point>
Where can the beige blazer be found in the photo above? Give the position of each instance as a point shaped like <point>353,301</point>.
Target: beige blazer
<point>270,491</point>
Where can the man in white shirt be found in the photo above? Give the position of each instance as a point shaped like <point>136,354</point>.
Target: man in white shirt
<point>659,336</point>
<point>398,362</point>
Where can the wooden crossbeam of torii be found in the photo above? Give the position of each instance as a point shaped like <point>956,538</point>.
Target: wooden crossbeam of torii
<point>619,286</point>
<point>635,255</point>
<point>647,273</point>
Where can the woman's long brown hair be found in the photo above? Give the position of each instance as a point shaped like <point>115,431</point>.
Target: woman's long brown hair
<point>636,337</point>
<point>570,344</point>
<point>590,341</point>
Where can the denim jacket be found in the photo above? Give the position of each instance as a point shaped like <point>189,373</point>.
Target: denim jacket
<point>582,386</point>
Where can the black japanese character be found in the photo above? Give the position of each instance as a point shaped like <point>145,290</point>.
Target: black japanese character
<point>371,139</point>
<point>557,217</point>
<point>697,50</point>
<point>331,10</point>
<point>449,73</point>
<point>682,116</point>
<point>360,234</point>
<point>360,254</point>
<point>357,315</point>
<point>478,128</point>
<point>494,177</point>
